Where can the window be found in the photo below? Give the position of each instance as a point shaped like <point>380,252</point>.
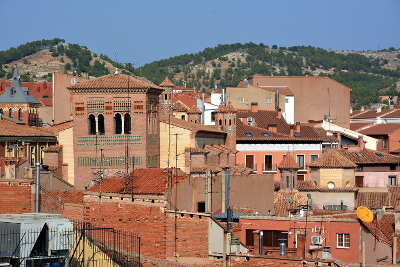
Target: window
<point>213,116</point>
<point>248,134</point>
<point>300,161</point>
<point>268,163</point>
<point>392,180</point>
<point>313,157</point>
<point>20,114</point>
<point>265,134</point>
<point>240,100</point>
<point>271,238</point>
<point>343,240</point>
<point>392,167</point>
<point>359,168</point>
<point>201,207</point>
<point>100,122</point>
<point>118,123</point>
<point>268,100</point>
<point>183,117</point>
<point>1,111</point>
<point>11,113</point>
<point>127,123</point>
<point>360,155</point>
<point>379,154</point>
<point>92,124</point>
<point>384,143</point>
<point>250,161</point>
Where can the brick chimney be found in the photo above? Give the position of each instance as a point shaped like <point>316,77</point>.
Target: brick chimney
<point>361,142</point>
<point>254,107</point>
<point>291,131</point>
<point>279,115</point>
<point>272,128</point>
<point>298,127</point>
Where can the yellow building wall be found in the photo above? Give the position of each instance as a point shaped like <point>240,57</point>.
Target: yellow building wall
<point>173,141</point>
<point>65,138</point>
<point>341,177</point>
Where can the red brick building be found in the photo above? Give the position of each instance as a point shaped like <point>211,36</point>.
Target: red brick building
<point>116,126</point>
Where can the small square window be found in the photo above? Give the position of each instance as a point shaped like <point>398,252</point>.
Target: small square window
<point>343,240</point>
<point>241,100</point>
<point>268,100</point>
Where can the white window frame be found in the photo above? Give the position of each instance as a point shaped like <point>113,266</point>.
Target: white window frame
<point>392,179</point>
<point>304,161</point>
<point>268,100</point>
<point>344,242</point>
<point>241,100</point>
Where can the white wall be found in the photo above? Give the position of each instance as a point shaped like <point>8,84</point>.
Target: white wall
<point>289,109</point>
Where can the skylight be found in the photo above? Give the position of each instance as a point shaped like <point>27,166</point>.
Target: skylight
<point>360,155</point>
<point>379,154</point>
<point>297,135</point>
<point>265,134</point>
<point>249,134</point>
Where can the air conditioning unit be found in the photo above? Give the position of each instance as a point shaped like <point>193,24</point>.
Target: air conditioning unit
<point>316,240</point>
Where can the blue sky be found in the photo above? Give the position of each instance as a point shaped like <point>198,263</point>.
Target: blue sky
<point>142,31</point>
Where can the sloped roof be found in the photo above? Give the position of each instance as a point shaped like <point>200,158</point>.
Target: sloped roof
<point>323,134</point>
<point>307,133</point>
<point>382,229</point>
<point>288,162</point>
<point>226,109</point>
<point>188,125</point>
<point>56,128</point>
<point>4,161</point>
<point>186,100</point>
<point>115,81</point>
<point>194,110</point>
<point>55,148</point>
<point>369,114</point>
<point>180,107</point>
<point>11,129</point>
<point>332,159</point>
<point>41,91</point>
<point>394,114</point>
<point>70,196</point>
<point>370,156</point>
<point>283,90</point>
<point>284,201</point>
<point>373,200</point>
<point>355,126</point>
<point>381,129</point>
<point>145,181</point>
<point>166,83</point>
<point>16,93</point>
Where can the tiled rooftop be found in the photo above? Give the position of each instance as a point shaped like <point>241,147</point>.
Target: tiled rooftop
<point>115,81</point>
<point>355,126</point>
<point>332,159</point>
<point>188,125</point>
<point>11,129</point>
<point>41,91</point>
<point>284,201</point>
<point>288,162</point>
<point>145,181</point>
<point>167,83</point>
<point>368,114</point>
<point>381,129</point>
<point>180,107</point>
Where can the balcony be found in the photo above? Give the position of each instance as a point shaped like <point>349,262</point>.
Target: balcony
<point>269,167</point>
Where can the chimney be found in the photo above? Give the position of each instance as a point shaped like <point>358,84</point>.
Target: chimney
<point>361,142</point>
<point>272,128</point>
<point>279,115</point>
<point>378,110</point>
<point>291,131</point>
<point>297,127</point>
<point>254,107</point>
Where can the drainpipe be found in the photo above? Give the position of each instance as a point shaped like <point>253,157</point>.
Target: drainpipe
<point>37,187</point>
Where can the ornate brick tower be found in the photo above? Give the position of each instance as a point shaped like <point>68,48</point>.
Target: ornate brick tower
<point>18,104</point>
<point>225,120</point>
<point>288,169</point>
<point>166,96</point>
<point>116,127</point>
<point>194,115</point>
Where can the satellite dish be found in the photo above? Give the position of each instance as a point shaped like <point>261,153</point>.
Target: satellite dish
<point>365,214</point>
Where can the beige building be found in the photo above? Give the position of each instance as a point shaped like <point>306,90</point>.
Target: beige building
<point>314,97</point>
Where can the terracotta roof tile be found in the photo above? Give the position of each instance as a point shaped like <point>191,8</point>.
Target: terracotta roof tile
<point>5,161</point>
<point>56,148</point>
<point>115,81</point>
<point>226,109</point>
<point>166,83</point>
<point>194,110</point>
<point>11,129</point>
<point>62,126</point>
<point>283,90</point>
<point>41,91</point>
<point>180,107</point>
<point>188,125</point>
<point>368,114</point>
<point>323,134</point>
<point>332,159</point>
<point>288,162</point>
<point>373,200</point>
<point>394,114</point>
<point>381,129</point>
<point>355,126</point>
<point>70,196</point>
<point>284,201</point>
<point>186,100</point>
<point>382,229</point>
<point>145,181</point>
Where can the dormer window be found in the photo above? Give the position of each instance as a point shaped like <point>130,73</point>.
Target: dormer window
<point>12,91</point>
<point>248,134</point>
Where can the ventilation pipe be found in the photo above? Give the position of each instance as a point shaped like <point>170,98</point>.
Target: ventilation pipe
<point>37,187</point>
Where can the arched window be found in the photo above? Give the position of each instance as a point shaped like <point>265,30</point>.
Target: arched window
<point>101,124</point>
<point>127,124</point>
<point>118,123</point>
<point>20,114</point>
<point>1,111</point>
<point>92,124</point>
<point>11,113</point>
<point>220,122</point>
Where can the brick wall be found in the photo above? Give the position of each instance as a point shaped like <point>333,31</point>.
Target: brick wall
<point>16,196</point>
